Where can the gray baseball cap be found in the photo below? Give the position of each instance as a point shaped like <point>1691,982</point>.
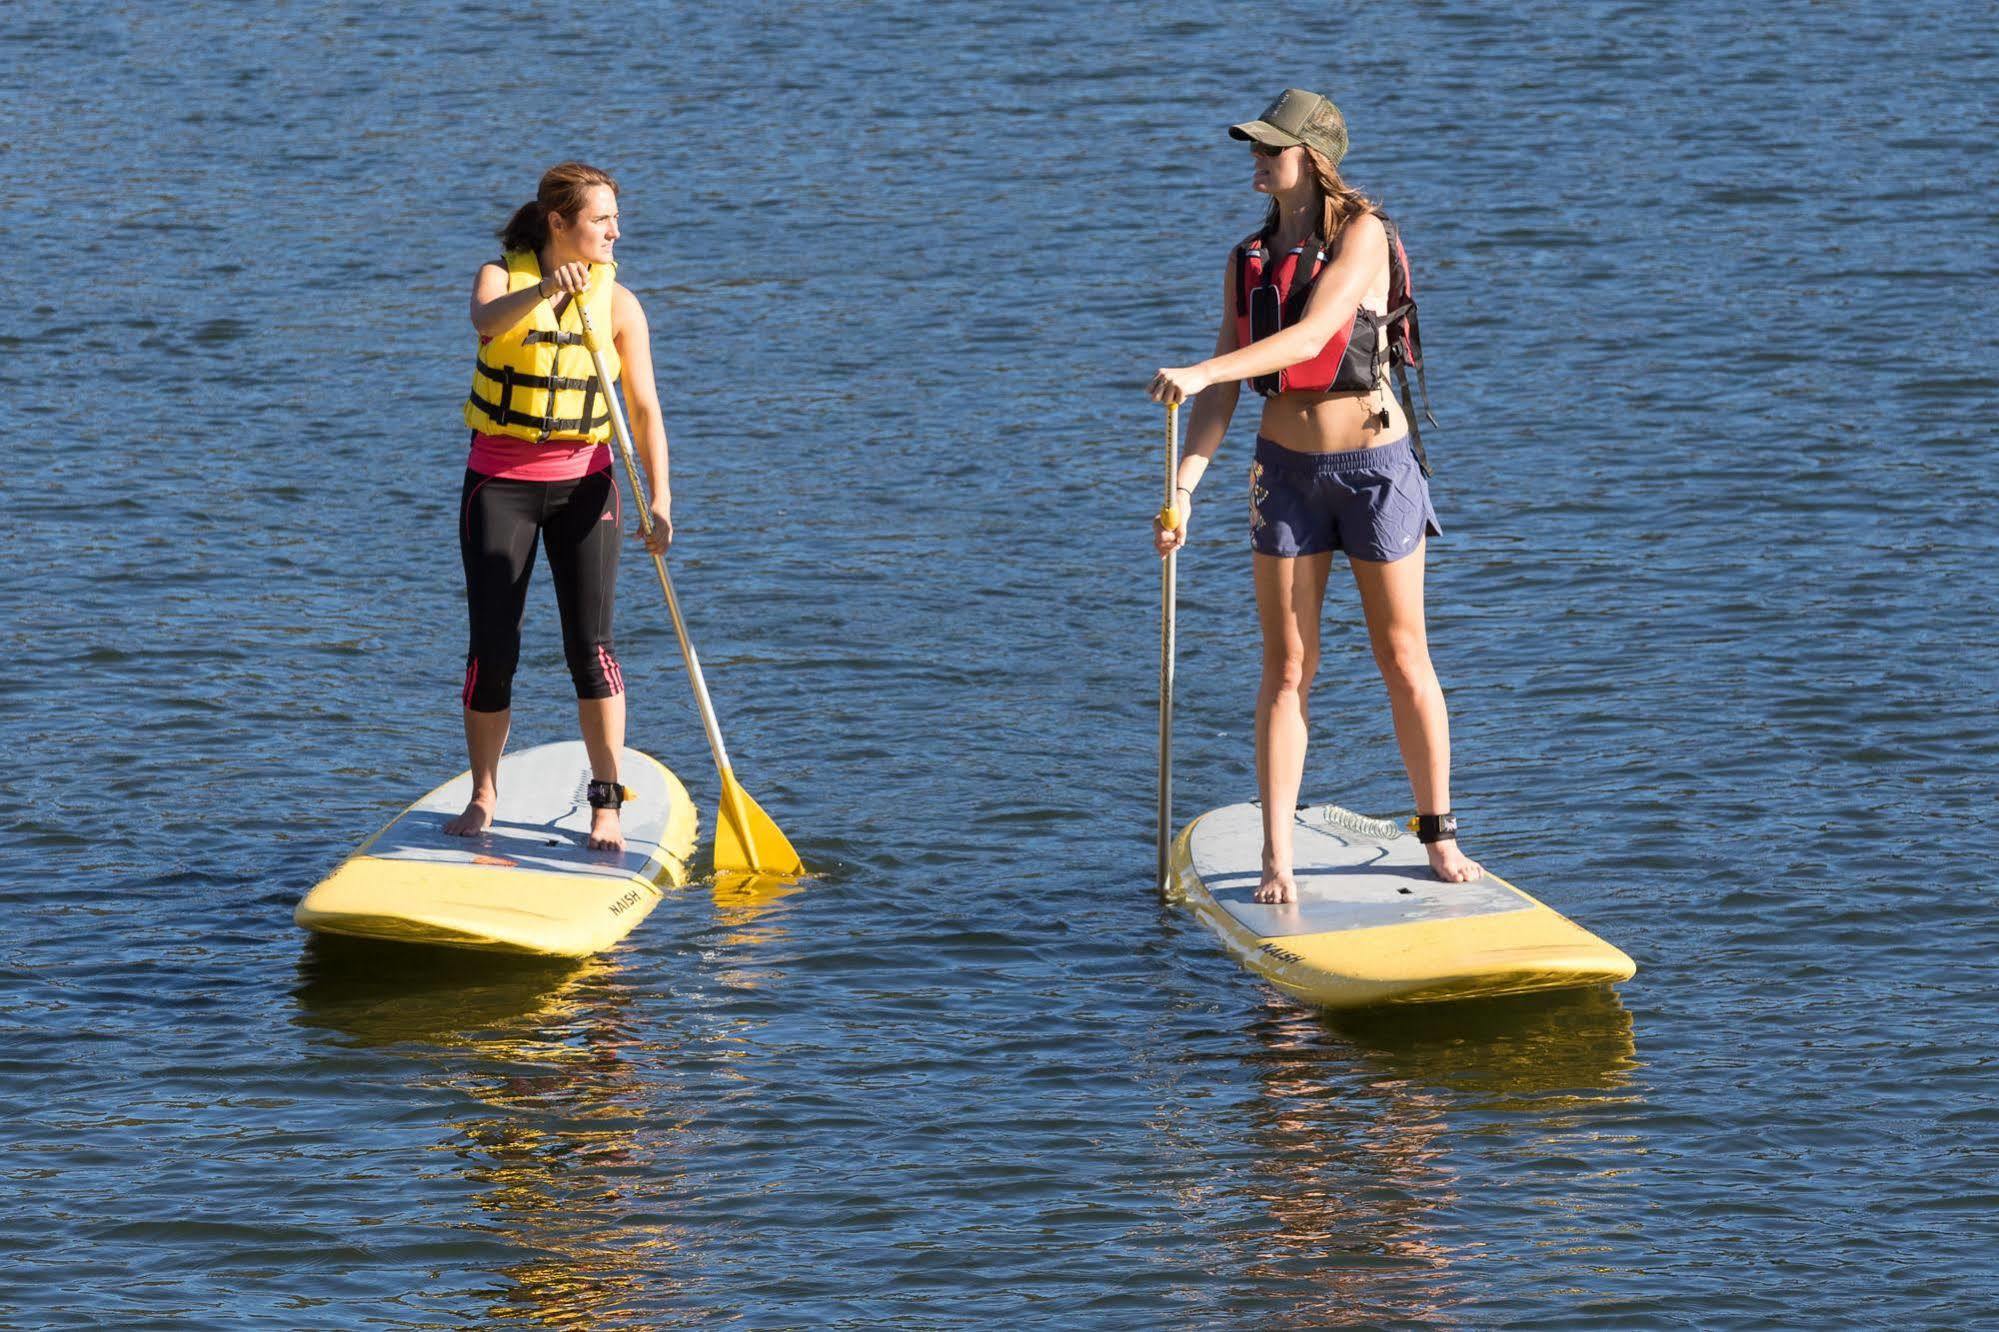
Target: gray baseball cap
<point>1298,117</point>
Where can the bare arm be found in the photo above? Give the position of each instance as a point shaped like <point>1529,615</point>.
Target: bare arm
<point>633,338</point>
<point>1214,406</point>
<point>1336,294</point>
<point>495,309</point>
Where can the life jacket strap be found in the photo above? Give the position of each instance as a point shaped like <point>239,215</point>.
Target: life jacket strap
<point>1381,398</point>
<point>511,378</point>
<point>555,310</point>
<point>1409,412</point>
<point>1311,259</point>
<point>1249,249</point>
<point>560,425</point>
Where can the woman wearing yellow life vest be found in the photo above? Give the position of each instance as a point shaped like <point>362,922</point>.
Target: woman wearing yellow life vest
<point>540,471</point>
<point>1315,313</point>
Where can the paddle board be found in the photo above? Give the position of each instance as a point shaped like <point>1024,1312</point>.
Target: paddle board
<point>1372,925</point>
<point>529,884</point>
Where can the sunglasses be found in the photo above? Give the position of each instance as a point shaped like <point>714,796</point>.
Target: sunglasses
<point>1267,150</point>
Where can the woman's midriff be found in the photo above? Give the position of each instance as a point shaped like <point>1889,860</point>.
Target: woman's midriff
<point>1329,422</point>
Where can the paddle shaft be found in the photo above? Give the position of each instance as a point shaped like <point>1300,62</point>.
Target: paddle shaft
<point>624,434</point>
<point>1168,574</point>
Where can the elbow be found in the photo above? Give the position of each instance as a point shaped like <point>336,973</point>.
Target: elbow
<point>1306,341</point>
<point>485,325</point>
<point>645,416</point>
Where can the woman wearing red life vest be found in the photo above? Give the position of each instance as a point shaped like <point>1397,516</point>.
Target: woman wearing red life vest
<point>540,473</point>
<point>1307,319</point>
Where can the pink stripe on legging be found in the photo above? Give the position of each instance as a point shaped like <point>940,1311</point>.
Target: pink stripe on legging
<point>465,511</point>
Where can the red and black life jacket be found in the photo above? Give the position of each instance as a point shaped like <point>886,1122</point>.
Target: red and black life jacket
<point>1358,359</point>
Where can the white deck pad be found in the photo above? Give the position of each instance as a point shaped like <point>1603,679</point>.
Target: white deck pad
<point>1352,872</point>
<point>543,819</point>
<point>1372,925</point>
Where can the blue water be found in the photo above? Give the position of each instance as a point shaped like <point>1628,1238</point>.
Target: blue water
<point>1708,298</point>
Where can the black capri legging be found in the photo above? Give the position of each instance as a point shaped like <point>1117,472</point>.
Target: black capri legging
<point>499,520</point>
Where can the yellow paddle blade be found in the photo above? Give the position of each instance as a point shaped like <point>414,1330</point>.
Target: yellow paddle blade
<point>746,839</point>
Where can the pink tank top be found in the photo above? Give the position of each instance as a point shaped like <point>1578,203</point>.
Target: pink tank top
<point>525,460</point>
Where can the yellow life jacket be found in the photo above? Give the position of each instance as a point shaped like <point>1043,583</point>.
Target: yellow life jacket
<point>519,387</point>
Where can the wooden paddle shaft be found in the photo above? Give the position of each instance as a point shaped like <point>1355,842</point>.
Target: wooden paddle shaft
<point>624,434</point>
<point>1169,572</point>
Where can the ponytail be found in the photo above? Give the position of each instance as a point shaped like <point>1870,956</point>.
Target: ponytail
<point>527,229</point>
<point>564,189</point>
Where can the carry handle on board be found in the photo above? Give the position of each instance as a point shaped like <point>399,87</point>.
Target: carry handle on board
<point>745,837</point>
<point>1169,518</point>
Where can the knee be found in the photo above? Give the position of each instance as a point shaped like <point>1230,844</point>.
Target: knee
<point>489,682</point>
<point>1405,665</point>
<point>593,667</point>
<point>1290,671</point>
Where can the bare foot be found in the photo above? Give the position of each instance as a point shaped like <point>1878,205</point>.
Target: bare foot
<point>1277,886</point>
<point>478,816</point>
<point>606,833</point>
<point>1450,864</point>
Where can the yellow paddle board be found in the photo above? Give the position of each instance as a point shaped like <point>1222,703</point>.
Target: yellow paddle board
<point>1372,925</point>
<point>530,883</point>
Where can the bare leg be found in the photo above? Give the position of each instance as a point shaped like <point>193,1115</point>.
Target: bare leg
<point>1391,596</point>
<point>485,741</point>
<point>1289,594</point>
<point>603,721</point>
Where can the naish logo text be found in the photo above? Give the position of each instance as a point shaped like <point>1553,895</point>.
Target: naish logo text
<point>625,903</point>
<point>1281,954</point>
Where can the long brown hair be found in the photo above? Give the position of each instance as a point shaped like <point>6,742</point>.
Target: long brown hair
<point>565,189</point>
<point>1339,202</point>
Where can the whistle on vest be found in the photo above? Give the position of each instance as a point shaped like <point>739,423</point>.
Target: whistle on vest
<point>1381,402</point>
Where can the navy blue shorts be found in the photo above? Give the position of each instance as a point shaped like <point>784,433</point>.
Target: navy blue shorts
<point>1374,504</point>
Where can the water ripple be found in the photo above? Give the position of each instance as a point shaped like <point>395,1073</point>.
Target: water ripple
<point>1715,610</point>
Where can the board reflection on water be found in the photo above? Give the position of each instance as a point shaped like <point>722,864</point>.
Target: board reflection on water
<point>572,1087</point>
<point>1348,1204</point>
<point>579,1114</point>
